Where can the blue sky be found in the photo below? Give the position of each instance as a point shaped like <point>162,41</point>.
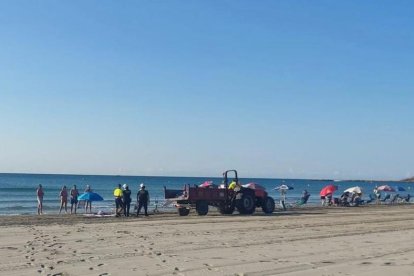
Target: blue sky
<point>298,89</point>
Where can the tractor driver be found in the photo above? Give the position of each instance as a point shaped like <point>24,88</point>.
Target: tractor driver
<point>232,184</point>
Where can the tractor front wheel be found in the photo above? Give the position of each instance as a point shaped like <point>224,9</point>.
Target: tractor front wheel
<point>182,211</point>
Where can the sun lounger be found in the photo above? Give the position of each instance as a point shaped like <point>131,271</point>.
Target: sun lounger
<point>388,196</point>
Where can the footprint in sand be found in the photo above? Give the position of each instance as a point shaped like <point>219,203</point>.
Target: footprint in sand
<point>100,264</point>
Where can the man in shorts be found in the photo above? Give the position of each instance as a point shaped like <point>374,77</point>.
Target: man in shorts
<point>73,199</point>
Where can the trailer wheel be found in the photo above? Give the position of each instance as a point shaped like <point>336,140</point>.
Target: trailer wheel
<point>182,211</point>
<point>202,208</point>
<point>246,204</point>
<point>226,209</point>
<point>268,205</point>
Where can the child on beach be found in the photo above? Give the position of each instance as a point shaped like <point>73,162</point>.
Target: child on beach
<point>63,199</point>
<point>40,194</point>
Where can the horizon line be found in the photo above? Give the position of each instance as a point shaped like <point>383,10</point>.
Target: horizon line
<point>166,176</point>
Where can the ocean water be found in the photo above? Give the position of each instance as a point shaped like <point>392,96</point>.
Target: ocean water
<point>18,191</point>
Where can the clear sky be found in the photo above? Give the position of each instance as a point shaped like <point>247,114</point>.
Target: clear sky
<point>298,89</point>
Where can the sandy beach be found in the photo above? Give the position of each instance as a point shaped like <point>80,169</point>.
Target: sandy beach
<point>372,240</point>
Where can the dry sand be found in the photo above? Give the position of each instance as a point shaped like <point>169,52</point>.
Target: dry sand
<point>377,240</point>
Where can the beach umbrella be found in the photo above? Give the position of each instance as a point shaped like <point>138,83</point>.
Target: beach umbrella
<point>253,186</point>
<point>385,188</point>
<point>399,189</point>
<point>354,190</point>
<point>206,184</point>
<point>284,187</point>
<point>330,189</point>
<point>90,197</point>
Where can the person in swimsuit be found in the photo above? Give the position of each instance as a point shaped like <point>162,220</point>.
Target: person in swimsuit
<point>73,199</point>
<point>40,195</point>
<point>63,199</point>
<point>88,202</point>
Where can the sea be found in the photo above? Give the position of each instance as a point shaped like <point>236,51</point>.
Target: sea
<point>18,191</point>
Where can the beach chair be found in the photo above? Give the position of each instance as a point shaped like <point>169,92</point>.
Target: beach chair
<point>386,197</point>
<point>404,199</point>
<point>303,200</point>
<point>394,198</point>
<point>372,198</point>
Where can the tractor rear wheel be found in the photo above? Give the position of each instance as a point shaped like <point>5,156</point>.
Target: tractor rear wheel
<point>246,205</point>
<point>182,211</point>
<point>202,208</point>
<point>268,205</point>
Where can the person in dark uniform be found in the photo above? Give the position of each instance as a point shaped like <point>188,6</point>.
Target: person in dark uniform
<point>126,199</point>
<point>142,199</point>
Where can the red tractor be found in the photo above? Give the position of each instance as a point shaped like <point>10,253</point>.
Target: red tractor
<point>243,198</point>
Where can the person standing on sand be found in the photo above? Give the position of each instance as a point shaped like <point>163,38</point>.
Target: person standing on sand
<point>88,202</point>
<point>73,199</point>
<point>40,194</point>
<point>63,199</point>
<point>377,194</point>
<point>142,199</point>
<point>118,200</point>
<point>126,199</point>
<point>283,198</point>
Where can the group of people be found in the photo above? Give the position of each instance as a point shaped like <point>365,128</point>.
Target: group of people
<point>122,195</point>
<point>64,195</point>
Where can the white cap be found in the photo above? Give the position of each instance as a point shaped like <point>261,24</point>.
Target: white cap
<point>124,186</point>
<point>142,185</point>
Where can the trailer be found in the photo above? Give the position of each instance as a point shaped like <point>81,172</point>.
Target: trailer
<point>225,199</point>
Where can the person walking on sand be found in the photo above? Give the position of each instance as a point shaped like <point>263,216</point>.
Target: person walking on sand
<point>118,200</point>
<point>73,199</point>
<point>142,199</point>
<point>88,202</point>
<point>63,199</point>
<point>126,199</point>
<point>40,194</point>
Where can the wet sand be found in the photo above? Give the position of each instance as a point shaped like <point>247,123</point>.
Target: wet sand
<point>374,240</point>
